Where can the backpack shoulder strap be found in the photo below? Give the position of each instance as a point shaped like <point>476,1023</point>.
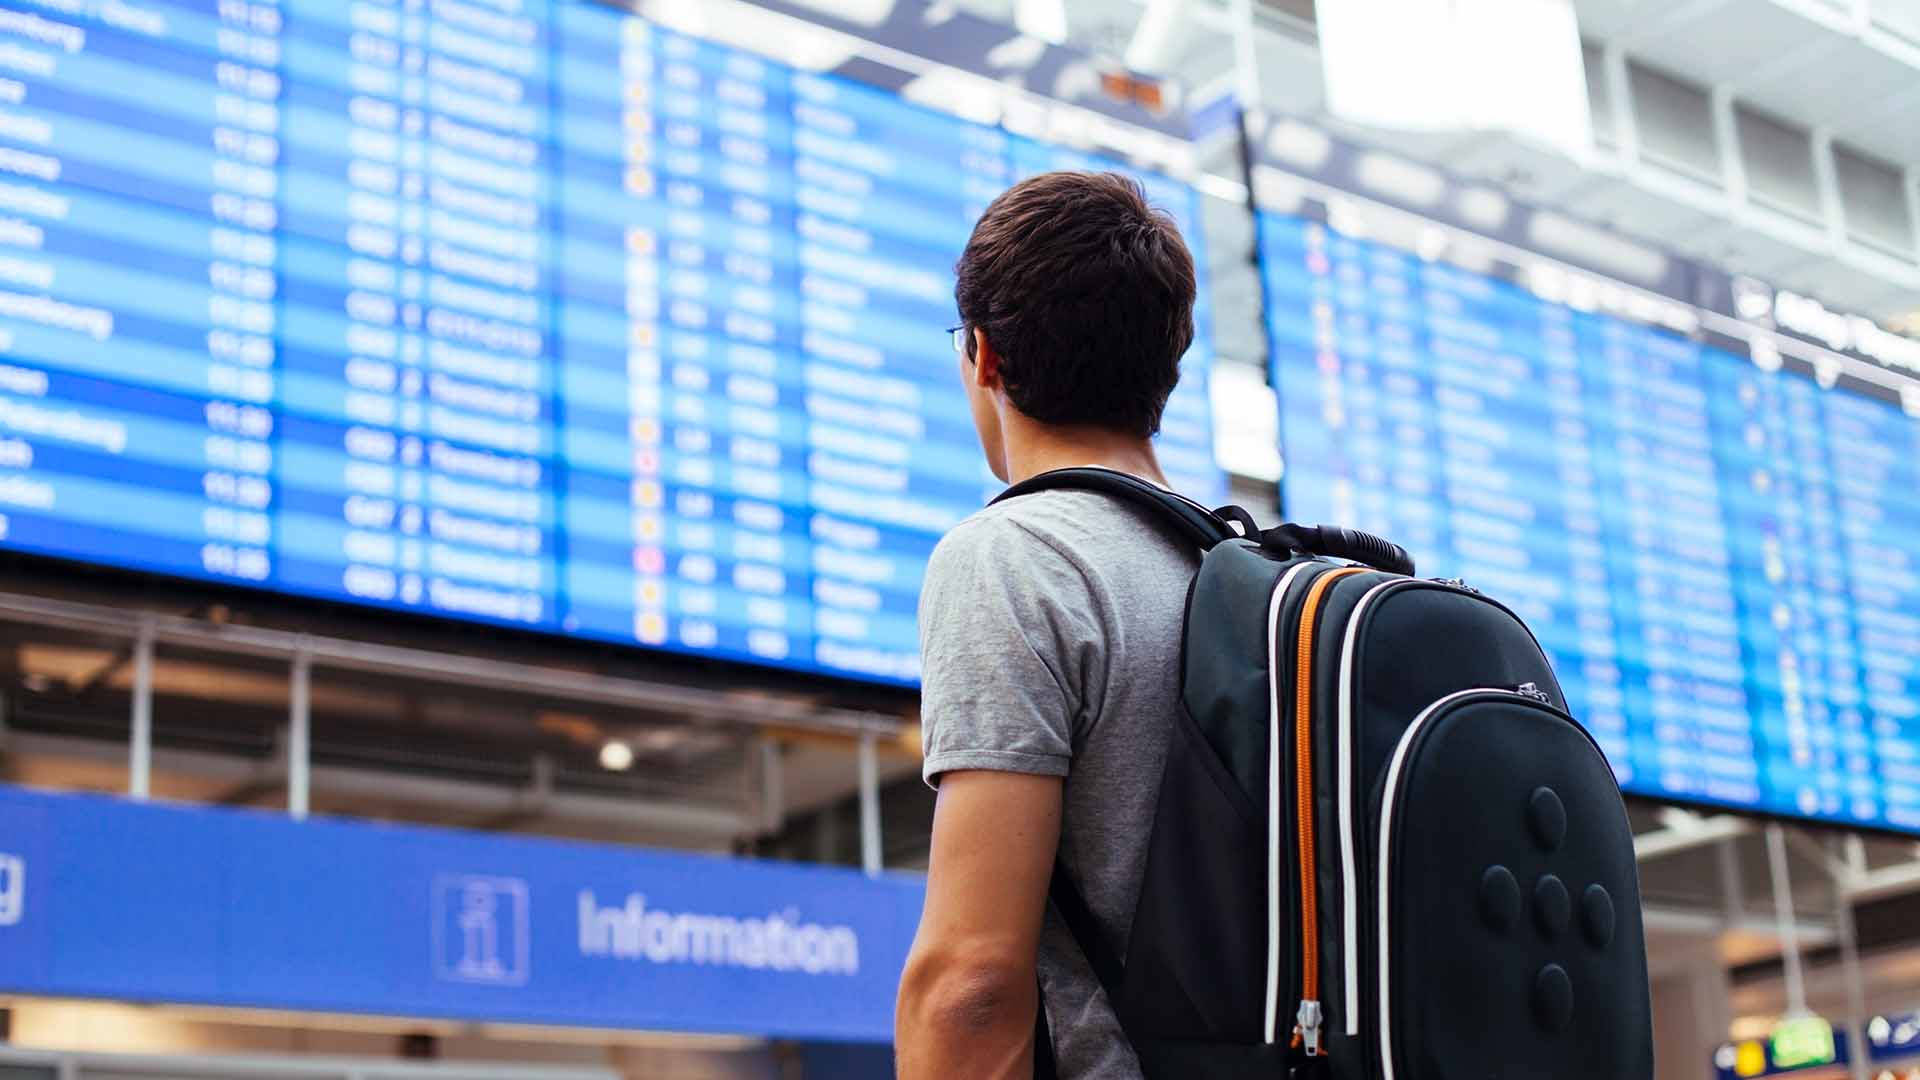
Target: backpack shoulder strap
<point>1044,1065</point>
<point>1206,528</point>
<point>1195,522</point>
<point>1100,956</point>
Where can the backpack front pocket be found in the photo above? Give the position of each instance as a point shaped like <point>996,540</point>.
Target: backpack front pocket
<point>1507,936</point>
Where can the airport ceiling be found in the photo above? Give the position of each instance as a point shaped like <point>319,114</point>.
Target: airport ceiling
<point>1815,72</point>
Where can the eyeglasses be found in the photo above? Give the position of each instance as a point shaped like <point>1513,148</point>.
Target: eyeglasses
<point>960,335</point>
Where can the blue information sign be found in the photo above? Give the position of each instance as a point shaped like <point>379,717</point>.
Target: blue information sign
<point>105,898</point>
<point>533,313</point>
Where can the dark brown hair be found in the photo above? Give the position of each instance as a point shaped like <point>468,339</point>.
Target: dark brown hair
<point>1086,292</point>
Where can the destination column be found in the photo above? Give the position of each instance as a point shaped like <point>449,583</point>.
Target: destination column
<point>417,439</point>
<point>886,195</point>
<point>1669,555</point>
<point>138,145</point>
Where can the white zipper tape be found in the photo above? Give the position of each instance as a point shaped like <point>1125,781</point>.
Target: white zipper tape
<point>1273,799</point>
<point>1349,868</point>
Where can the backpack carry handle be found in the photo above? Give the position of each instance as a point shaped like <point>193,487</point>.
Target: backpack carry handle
<point>1342,543</point>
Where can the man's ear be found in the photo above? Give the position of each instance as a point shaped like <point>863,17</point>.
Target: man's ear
<point>986,362</point>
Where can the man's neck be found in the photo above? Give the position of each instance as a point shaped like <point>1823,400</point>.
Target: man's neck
<point>1034,448</point>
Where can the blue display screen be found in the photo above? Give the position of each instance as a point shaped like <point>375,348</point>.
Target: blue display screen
<point>522,311</point>
<point>1722,560</point>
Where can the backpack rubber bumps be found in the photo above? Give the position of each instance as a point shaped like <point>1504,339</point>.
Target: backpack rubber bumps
<point>1501,903</point>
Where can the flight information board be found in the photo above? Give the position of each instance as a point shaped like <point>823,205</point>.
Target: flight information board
<point>1721,557</point>
<point>521,311</point>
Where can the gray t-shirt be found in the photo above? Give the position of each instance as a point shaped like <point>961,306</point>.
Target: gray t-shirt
<point>1050,635</point>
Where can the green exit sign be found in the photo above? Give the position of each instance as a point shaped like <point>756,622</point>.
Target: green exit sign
<point>1805,1041</point>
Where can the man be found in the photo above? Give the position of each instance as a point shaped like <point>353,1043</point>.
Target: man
<point>1050,630</point>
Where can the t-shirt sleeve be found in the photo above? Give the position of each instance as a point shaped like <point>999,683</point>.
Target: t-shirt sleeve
<point>1009,633</point>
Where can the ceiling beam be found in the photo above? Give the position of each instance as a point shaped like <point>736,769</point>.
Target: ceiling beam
<point>1664,23</point>
<point>1884,882</point>
<point>1684,831</point>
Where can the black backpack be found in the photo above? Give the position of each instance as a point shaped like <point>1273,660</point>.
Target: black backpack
<point>1382,849</point>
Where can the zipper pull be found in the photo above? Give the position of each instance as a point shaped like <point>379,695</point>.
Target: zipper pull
<point>1458,583</point>
<point>1309,1027</point>
<point>1532,690</point>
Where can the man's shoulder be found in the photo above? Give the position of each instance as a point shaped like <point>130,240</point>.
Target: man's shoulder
<point>1029,536</point>
<point>1067,521</point>
<point>1055,534</point>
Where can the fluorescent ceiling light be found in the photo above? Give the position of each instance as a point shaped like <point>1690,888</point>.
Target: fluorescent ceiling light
<point>967,96</point>
<point>1297,144</point>
<point>1548,282</point>
<point>1017,53</point>
<point>1583,243</point>
<point>1752,299</point>
<point>1024,116</point>
<point>1400,179</point>
<point>1276,191</point>
<point>1068,125</point>
<point>1432,242</point>
<point>1043,19</point>
<point>1484,208</point>
<point>1220,187</point>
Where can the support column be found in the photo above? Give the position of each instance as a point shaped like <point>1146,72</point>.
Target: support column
<point>869,805</point>
<point>1783,919</point>
<point>773,786</point>
<point>140,760</point>
<point>1855,864</point>
<point>1691,1017</point>
<point>300,736</point>
<point>1733,898</point>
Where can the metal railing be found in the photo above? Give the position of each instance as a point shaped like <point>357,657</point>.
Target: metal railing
<point>304,653</point>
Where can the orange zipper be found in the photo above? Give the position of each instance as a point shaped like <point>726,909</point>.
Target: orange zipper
<point>1307,1022</point>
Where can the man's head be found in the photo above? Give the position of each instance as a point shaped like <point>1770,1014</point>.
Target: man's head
<point>1077,298</point>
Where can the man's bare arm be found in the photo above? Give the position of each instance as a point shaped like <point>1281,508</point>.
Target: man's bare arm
<point>968,997</point>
